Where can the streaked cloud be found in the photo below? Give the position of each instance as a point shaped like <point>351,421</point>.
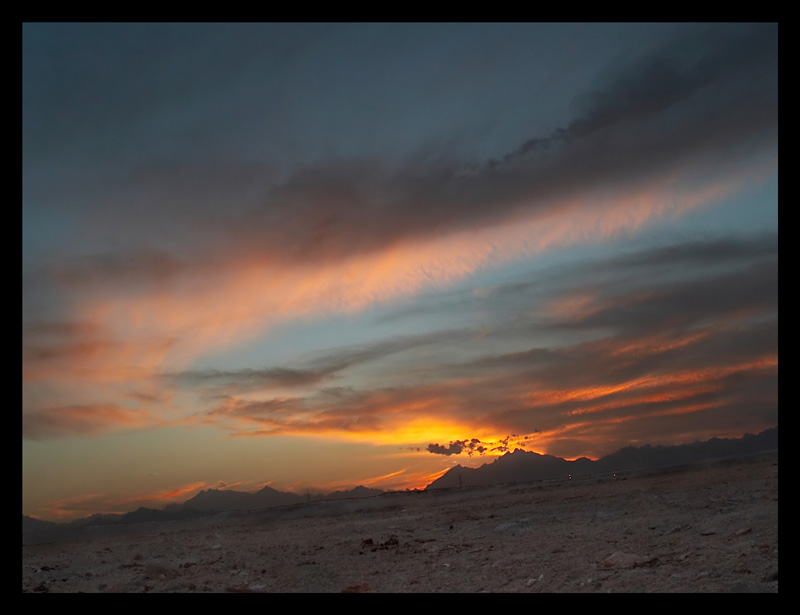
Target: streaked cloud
<point>86,420</point>
<point>661,346</point>
<point>258,190</point>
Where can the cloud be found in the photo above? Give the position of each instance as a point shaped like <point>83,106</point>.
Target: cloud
<point>251,379</point>
<point>454,448</point>
<point>653,347</point>
<point>471,447</point>
<point>717,104</point>
<point>157,326</point>
<point>699,66</point>
<point>658,344</point>
<point>84,352</point>
<point>84,420</point>
<point>326,366</point>
<point>244,248</point>
<point>710,97</point>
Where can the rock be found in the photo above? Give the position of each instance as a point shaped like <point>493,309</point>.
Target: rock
<point>159,572</point>
<point>771,575</point>
<point>619,559</point>
<point>532,580</point>
<point>356,589</point>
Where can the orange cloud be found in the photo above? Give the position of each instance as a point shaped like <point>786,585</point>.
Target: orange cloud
<point>658,398</point>
<point>683,377</point>
<point>173,494</point>
<point>151,329</point>
<point>250,293</point>
<point>658,343</point>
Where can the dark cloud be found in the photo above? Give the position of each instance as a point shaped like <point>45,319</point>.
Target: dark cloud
<point>340,409</point>
<point>264,411</point>
<point>364,353</point>
<point>470,447</point>
<point>318,370</point>
<point>652,118</point>
<point>689,254</point>
<point>249,379</point>
<point>57,340</point>
<point>709,98</point>
<point>80,419</point>
<point>678,288</point>
<point>127,272</point>
<point>76,350</point>
<point>720,60</point>
<point>454,448</point>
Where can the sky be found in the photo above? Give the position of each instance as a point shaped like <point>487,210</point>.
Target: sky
<point>315,256</point>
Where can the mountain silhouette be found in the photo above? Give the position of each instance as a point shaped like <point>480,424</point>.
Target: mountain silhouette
<point>524,466</point>
<point>32,523</point>
<point>205,503</point>
<point>219,500</point>
<point>513,467</point>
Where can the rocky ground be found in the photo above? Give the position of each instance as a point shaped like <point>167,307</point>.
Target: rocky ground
<point>705,528</point>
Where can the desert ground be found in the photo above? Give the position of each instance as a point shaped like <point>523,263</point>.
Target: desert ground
<point>711,527</point>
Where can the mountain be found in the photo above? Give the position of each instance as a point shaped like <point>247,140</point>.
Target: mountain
<point>355,492</point>
<point>207,502</point>
<point>516,466</point>
<point>630,458</point>
<point>219,500</point>
<point>140,515</point>
<point>32,523</point>
<point>523,466</point>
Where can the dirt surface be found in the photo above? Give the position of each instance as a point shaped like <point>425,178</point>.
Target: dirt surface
<point>704,528</point>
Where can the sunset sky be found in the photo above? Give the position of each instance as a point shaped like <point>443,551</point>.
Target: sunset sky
<point>315,256</point>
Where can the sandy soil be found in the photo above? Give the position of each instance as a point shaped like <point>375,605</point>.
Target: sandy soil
<point>705,528</point>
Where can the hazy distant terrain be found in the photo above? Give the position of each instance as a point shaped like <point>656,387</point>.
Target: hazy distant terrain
<point>207,502</point>
<point>514,467</point>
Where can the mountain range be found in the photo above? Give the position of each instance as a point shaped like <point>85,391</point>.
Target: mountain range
<point>516,466</point>
<point>207,502</point>
<point>525,466</point>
